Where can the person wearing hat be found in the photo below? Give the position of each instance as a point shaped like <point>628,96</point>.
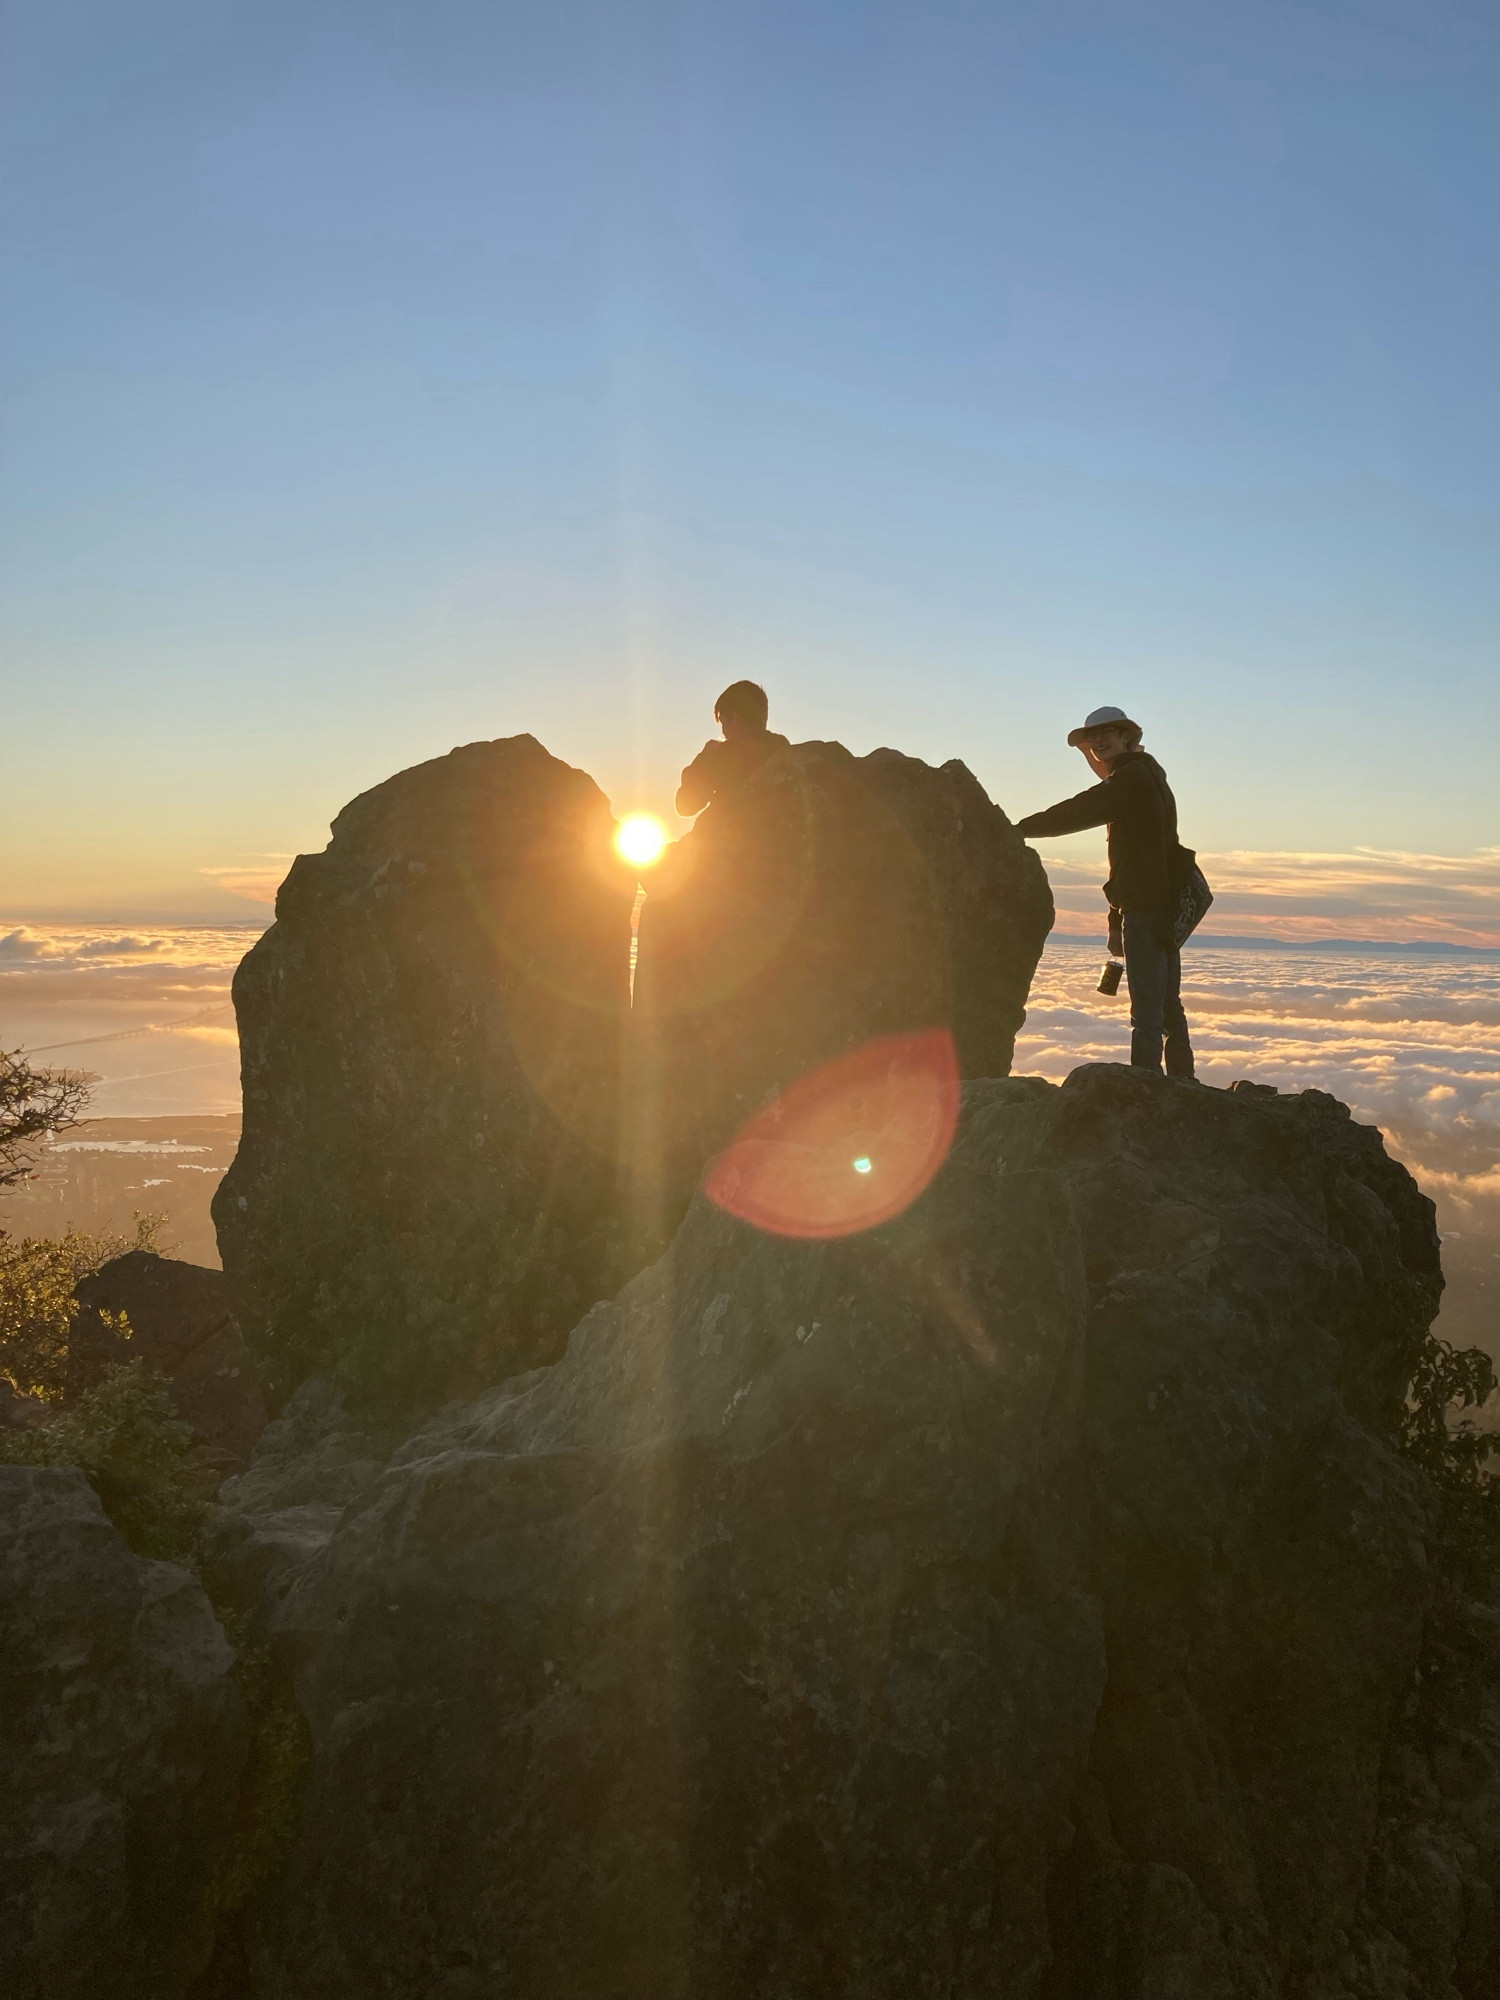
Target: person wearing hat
<point>1134,801</point>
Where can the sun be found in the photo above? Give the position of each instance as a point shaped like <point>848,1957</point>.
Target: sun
<point>640,839</point>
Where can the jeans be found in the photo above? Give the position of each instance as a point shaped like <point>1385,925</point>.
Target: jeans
<point>1154,973</point>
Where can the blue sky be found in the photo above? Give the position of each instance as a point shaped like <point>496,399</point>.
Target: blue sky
<point>379,377</point>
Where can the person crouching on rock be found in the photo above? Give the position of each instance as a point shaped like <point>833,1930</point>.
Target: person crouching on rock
<point>1135,802</point>
<point>720,767</point>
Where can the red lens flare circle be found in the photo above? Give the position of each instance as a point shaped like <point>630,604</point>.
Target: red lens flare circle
<point>849,1146</point>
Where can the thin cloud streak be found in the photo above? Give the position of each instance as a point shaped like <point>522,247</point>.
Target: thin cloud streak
<point>1385,895</point>
<point>256,879</point>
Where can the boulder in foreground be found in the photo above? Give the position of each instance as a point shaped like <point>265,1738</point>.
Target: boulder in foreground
<point>1022,1599</point>
<point>181,1326</point>
<point>121,1743</point>
<point>742,1652</point>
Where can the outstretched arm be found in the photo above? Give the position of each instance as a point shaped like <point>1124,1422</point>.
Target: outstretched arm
<point>1095,807</point>
<point>698,780</point>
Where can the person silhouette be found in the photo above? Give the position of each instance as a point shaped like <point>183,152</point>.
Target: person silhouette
<point>726,761</point>
<point>1134,801</point>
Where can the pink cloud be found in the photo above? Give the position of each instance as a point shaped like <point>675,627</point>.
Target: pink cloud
<point>256,879</point>
<point>1386,895</point>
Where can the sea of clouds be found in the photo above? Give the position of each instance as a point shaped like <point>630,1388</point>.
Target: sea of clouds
<point>1388,895</point>
<point>145,1011</point>
<point>1410,1040</point>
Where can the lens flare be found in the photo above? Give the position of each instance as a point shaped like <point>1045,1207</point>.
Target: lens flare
<point>640,839</point>
<point>849,1146</point>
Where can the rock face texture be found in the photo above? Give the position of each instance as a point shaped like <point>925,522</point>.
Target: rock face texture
<point>430,1037</point>
<point>743,1652</point>
<point>1434,1926</point>
<point>1022,1599</point>
<point>18,1412</point>
<point>121,1740</point>
<point>311,1463</point>
<point>1260,1276</point>
<point>829,900</point>
<point>181,1326</point>
<point>988,894</point>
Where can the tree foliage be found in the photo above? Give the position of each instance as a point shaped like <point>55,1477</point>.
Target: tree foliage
<point>1435,1432</point>
<point>126,1437</point>
<point>34,1103</point>
<point>37,1279</point>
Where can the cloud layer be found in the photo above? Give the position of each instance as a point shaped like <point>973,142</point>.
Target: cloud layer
<point>1411,1044</point>
<point>1365,893</point>
<point>256,878</point>
<point>145,1010</point>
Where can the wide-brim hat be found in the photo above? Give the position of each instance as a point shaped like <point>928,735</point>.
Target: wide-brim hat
<point>1101,718</point>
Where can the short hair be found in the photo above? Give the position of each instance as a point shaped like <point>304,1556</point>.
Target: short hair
<point>745,699</point>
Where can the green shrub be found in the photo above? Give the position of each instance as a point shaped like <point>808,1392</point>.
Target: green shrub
<point>125,1436</point>
<point>38,1275</point>
<point>1446,1380</point>
<point>1438,1435</point>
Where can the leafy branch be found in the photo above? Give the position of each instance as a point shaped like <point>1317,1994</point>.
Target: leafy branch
<point>33,1104</point>
<point>1446,1382</point>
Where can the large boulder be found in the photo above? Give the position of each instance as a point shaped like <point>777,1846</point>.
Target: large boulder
<point>423,1197</point>
<point>990,901</point>
<point>828,901</point>
<point>1261,1278</point>
<point>1023,1598</point>
<point>121,1743</point>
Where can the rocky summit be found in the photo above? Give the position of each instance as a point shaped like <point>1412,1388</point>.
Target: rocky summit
<point>430,1041</point>
<point>458,1133</point>
<point>828,900</point>
<point>1026,1598</point>
<point>1032,1590</point>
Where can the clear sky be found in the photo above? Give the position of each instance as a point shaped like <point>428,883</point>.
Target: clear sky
<point>380,375</point>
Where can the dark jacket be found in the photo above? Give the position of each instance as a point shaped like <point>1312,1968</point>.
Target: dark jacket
<point>1135,802</point>
<point>719,767</point>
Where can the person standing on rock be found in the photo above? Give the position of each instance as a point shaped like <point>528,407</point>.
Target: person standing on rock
<point>721,766</point>
<point>1134,801</point>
